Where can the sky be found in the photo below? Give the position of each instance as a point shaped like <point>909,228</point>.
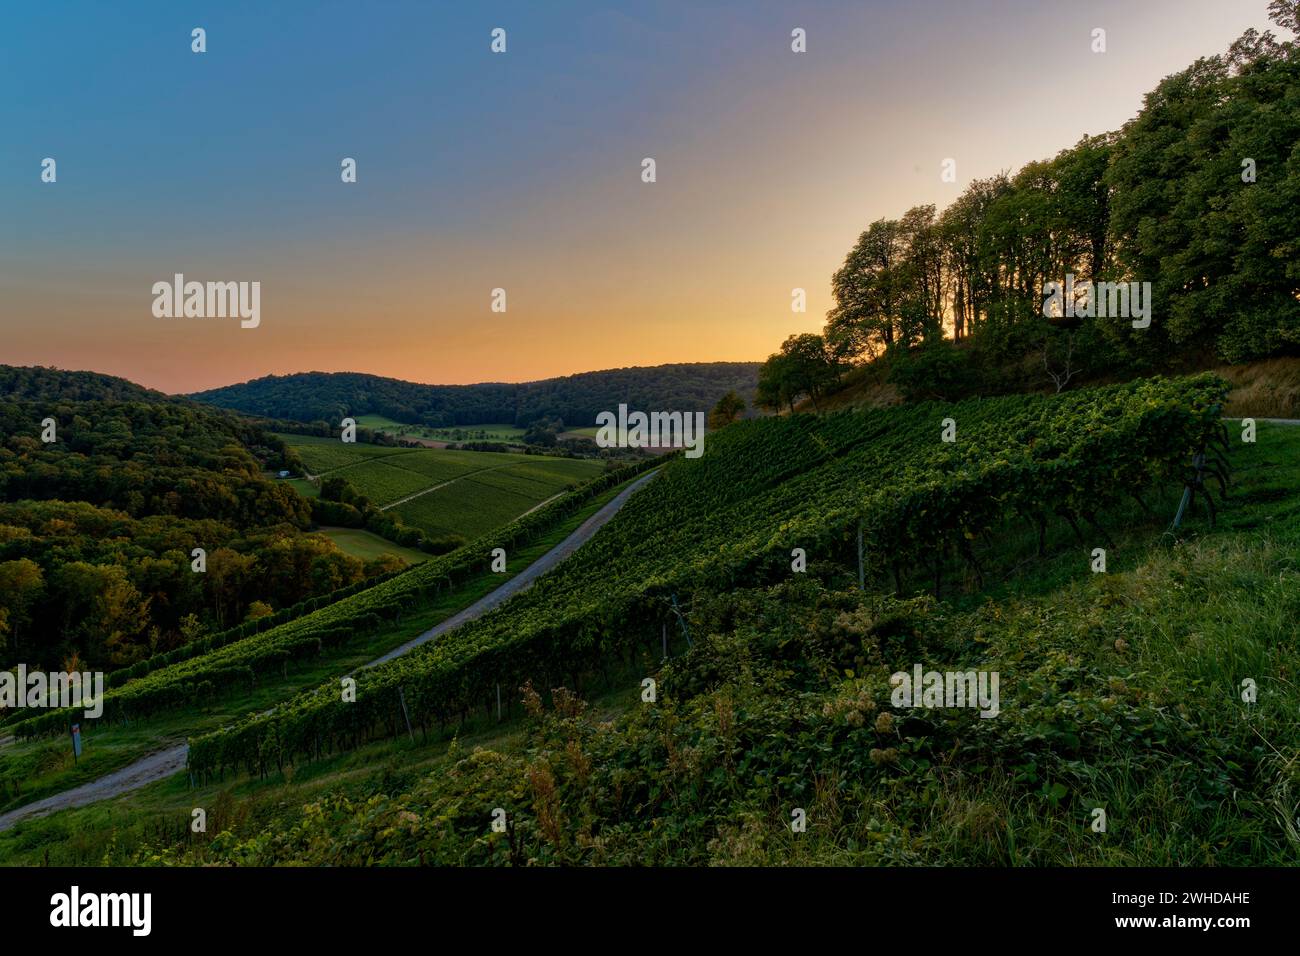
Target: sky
<point>519,170</point>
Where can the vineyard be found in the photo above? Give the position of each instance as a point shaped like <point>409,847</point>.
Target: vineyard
<point>877,496</point>
<point>320,455</point>
<point>235,658</point>
<point>479,502</point>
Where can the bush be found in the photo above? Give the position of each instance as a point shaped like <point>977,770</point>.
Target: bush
<point>335,513</point>
<point>444,544</point>
<point>937,369</point>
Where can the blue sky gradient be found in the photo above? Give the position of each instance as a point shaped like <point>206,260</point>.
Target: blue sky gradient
<point>518,170</point>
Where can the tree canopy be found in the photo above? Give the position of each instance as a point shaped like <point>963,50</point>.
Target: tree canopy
<point>1196,195</point>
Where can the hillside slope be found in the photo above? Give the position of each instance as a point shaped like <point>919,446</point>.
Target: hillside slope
<point>1121,692</point>
<point>33,383</point>
<point>107,489</point>
<point>732,518</point>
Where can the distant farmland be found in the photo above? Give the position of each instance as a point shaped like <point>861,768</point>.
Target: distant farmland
<point>464,433</point>
<point>441,491</point>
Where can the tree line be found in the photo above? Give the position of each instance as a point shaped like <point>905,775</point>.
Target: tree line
<point>1196,195</point>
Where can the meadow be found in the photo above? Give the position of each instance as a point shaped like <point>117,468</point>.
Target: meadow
<point>366,545</point>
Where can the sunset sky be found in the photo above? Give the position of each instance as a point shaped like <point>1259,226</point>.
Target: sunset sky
<point>519,170</point>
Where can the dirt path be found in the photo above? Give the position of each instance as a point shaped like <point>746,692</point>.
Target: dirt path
<point>156,766</point>
<point>164,763</point>
<point>539,504</point>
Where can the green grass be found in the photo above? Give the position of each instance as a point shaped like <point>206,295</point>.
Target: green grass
<point>383,482</point>
<point>379,421</point>
<point>308,489</point>
<point>367,546</point>
<point>437,466</point>
<point>498,433</point>
<point>465,508</point>
<point>321,455</point>
<point>485,490</point>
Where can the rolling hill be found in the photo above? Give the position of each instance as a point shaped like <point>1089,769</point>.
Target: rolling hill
<point>1119,685</point>
<point>106,491</point>
<point>575,399</point>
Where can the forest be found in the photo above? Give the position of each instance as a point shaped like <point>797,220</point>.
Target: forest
<point>98,525</point>
<point>574,399</point>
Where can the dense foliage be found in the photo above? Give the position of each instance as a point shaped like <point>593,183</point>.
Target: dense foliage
<point>574,399</point>
<point>31,383</point>
<point>98,526</point>
<point>784,702</point>
<point>732,518</point>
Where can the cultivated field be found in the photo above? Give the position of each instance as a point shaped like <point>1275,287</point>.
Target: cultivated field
<point>463,433</point>
<point>1120,684</point>
<point>441,491</point>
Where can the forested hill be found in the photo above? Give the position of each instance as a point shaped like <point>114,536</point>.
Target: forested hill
<point>107,489</point>
<point>576,399</point>
<point>39,384</point>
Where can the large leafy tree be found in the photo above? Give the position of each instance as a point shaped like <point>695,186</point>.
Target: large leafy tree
<point>805,366</point>
<point>868,292</point>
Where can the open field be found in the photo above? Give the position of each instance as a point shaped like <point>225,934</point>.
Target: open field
<point>365,545</point>
<point>485,499</point>
<point>462,433</point>
<point>307,489</point>
<point>322,455</point>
